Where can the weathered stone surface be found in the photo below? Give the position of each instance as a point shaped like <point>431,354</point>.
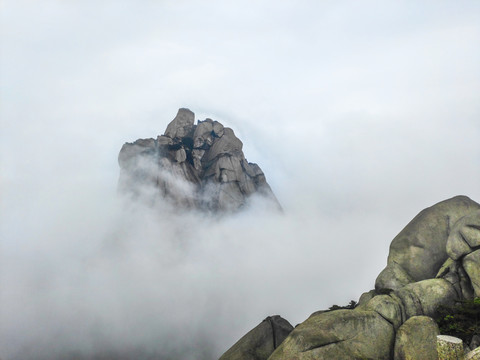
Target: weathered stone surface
<point>163,140</point>
<point>449,348</point>
<point>419,278</point>
<point>365,298</point>
<point>228,144</point>
<point>182,125</point>
<point>419,250</point>
<point>180,155</point>
<point>203,136</point>
<point>455,274</point>
<point>393,277</point>
<point>340,334</point>
<point>261,341</point>
<point>473,355</point>
<point>390,308</point>
<point>197,155</point>
<point>417,339</point>
<point>415,299</point>
<point>465,236</point>
<point>424,297</point>
<point>130,152</point>
<point>368,330</point>
<point>475,343</point>
<point>471,264</point>
<point>198,166</point>
<point>228,197</point>
<point>218,129</point>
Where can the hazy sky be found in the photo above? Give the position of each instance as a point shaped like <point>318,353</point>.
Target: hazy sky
<point>361,114</point>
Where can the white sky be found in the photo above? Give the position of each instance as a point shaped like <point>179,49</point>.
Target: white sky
<point>360,113</point>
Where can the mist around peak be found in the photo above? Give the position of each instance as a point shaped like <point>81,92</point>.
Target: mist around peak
<point>360,115</point>
<point>193,166</point>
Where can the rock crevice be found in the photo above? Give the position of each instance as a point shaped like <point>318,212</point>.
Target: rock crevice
<point>197,166</point>
<point>434,262</point>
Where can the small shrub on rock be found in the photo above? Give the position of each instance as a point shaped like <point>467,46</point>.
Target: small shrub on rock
<point>461,320</point>
<point>351,305</point>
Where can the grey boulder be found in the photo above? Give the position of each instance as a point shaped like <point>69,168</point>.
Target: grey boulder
<point>261,341</point>
<point>416,299</point>
<point>473,355</point>
<point>417,339</point>
<point>395,320</point>
<point>339,334</point>
<point>368,331</point>
<point>471,264</point>
<point>465,236</point>
<point>453,271</point>
<point>182,125</point>
<point>419,250</point>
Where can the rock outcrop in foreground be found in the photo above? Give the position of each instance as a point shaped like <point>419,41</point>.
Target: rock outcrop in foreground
<point>198,166</point>
<point>261,341</point>
<point>434,261</point>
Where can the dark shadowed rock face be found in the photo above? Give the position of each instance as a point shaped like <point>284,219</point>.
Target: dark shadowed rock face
<point>198,166</point>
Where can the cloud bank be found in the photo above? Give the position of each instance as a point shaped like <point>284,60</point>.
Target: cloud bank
<point>359,115</point>
<point>108,276</point>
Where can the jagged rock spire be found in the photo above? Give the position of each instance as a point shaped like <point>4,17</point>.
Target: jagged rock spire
<point>195,166</point>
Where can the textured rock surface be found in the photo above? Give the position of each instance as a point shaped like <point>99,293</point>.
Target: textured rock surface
<point>261,341</point>
<point>194,166</point>
<point>473,355</point>
<point>454,273</point>
<point>415,299</point>
<point>417,339</point>
<point>389,307</point>
<point>340,334</point>
<point>471,264</point>
<point>366,297</point>
<point>424,297</point>
<point>465,236</point>
<point>449,348</point>
<point>423,273</point>
<point>475,343</point>
<point>419,250</point>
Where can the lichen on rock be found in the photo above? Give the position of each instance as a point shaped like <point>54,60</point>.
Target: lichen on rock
<point>417,339</point>
<point>433,264</point>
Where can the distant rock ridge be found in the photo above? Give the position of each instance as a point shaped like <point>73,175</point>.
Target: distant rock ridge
<point>192,166</point>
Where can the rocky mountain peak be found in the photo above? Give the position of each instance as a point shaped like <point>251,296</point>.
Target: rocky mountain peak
<point>182,125</point>
<point>193,165</point>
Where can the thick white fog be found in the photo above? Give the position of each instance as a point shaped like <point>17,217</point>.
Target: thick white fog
<point>360,114</point>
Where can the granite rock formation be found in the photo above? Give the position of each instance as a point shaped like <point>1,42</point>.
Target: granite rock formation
<point>420,249</point>
<point>433,262</point>
<point>261,341</point>
<point>417,339</point>
<point>196,166</point>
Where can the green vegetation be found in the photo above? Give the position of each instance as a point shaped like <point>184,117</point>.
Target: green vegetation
<point>461,320</point>
<point>351,305</point>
